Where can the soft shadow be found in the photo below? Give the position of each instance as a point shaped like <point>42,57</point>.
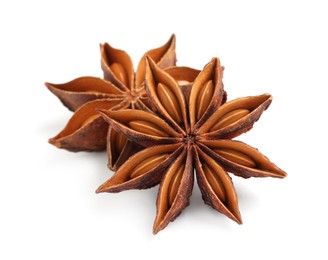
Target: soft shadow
<point>247,198</point>
<point>51,127</point>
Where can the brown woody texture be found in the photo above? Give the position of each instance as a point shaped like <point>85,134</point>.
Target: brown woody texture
<point>189,129</point>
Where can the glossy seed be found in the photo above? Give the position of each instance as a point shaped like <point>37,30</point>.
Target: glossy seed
<point>147,165</point>
<point>147,128</point>
<point>169,102</point>
<point>237,157</point>
<point>119,72</point>
<point>230,118</point>
<point>204,98</point>
<point>174,184</point>
<point>90,119</point>
<point>215,182</point>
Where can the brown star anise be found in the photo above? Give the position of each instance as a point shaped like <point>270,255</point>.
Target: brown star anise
<point>188,132</point>
<point>120,89</point>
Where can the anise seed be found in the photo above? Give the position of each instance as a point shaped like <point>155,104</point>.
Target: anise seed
<point>236,157</point>
<point>215,182</point>
<point>169,102</point>
<point>147,128</point>
<point>174,184</point>
<point>119,72</point>
<point>204,98</point>
<point>229,118</point>
<point>147,165</point>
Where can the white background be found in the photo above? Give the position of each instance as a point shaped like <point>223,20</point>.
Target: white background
<point>49,209</point>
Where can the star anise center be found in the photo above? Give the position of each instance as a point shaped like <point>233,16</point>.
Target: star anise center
<point>190,139</point>
<point>133,96</point>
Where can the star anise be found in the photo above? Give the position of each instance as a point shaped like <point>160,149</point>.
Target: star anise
<point>187,133</point>
<point>120,89</point>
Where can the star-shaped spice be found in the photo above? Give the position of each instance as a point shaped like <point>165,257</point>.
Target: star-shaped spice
<point>121,88</point>
<point>186,133</point>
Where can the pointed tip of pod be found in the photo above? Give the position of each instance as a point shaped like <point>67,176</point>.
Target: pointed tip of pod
<point>173,37</point>
<point>148,59</point>
<point>106,187</point>
<point>215,60</point>
<point>277,173</point>
<point>238,219</point>
<point>98,191</point>
<point>101,189</point>
<point>155,231</point>
<point>281,174</point>
<point>234,214</point>
<point>50,86</point>
<point>101,45</point>
<point>159,225</point>
<point>267,98</point>
<point>54,142</point>
<point>156,228</point>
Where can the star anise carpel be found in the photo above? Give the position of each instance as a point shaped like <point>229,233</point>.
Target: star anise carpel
<point>189,131</point>
<point>121,88</point>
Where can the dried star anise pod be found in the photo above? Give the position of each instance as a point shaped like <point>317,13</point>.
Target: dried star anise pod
<point>120,89</point>
<point>187,133</point>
